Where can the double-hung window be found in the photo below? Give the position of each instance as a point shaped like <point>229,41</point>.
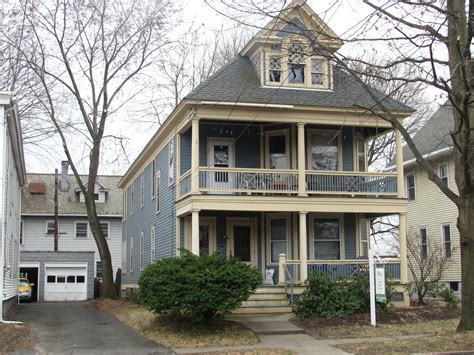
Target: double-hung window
<point>153,182</point>
<point>361,155</point>
<point>105,227</point>
<point>130,254</point>
<point>423,243</point>
<point>124,256</point>
<point>446,235</point>
<point>158,188</point>
<point>142,189</point>
<point>296,66</point>
<point>275,69</point>
<point>317,72</point>
<point>81,230</point>
<point>278,238</point>
<point>323,151</point>
<point>49,228</point>
<point>152,243</point>
<point>327,238</point>
<point>410,180</point>
<point>443,172</point>
<point>142,242</point>
<point>171,162</point>
<point>132,198</point>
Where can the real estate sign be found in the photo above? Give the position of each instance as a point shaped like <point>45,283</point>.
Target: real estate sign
<point>380,284</point>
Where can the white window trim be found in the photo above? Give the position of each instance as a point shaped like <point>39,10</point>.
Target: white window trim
<point>132,198</point>
<point>172,166</point>
<point>124,257</point>
<point>152,243</point>
<point>360,248</point>
<point>342,235</point>
<point>443,245</point>
<point>108,228</point>
<point>309,156</point>
<point>125,204</point>
<point>142,189</point>
<point>358,137</point>
<point>142,249</point>
<point>153,181</point>
<point>414,185</point>
<point>130,256</point>
<point>421,241</point>
<point>273,133</point>
<point>158,192</point>
<point>46,228</point>
<point>87,228</point>
<point>211,223</point>
<point>447,172</point>
<point>269,218</point>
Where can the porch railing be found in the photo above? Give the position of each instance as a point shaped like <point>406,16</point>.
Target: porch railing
<point>248,180</point>
<point>184,184</point>
<point>353,183</point>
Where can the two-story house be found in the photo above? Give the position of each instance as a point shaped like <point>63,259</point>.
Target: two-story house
<point>436,230</point>
<point>67,274</point>
<point>266,161</point>
<point>12,179</point>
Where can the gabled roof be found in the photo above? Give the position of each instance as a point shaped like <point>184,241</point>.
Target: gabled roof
<point>69,204</point>
<point>435,134</point>
<point>237,81</point>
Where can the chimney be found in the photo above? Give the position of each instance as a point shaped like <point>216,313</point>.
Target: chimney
<point>64,183</point>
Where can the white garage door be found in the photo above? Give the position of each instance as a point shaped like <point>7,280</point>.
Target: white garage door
<point>65,283</point>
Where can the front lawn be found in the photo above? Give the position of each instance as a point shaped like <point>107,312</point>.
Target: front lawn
<point>178,334</point>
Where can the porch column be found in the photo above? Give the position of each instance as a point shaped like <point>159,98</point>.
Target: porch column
<point>301,161</point>
<point>403,248</point>
<point>281,269</point>
<point>195,155</point>
<point>399,163</point>
<point>195,232</point>
<point>303,247</point>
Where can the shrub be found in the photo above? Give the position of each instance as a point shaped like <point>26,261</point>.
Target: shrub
<point>197,287</point>
<point>439,290</point>
<point>326,297</point>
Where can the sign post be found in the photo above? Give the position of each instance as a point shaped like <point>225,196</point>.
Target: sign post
<point>373,320</point>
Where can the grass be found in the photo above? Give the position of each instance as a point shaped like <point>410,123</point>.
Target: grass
<point>180,334</point>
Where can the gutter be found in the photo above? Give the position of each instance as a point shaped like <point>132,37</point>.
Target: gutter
<point>412,161</point>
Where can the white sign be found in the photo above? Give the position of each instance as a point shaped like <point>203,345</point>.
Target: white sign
<point>380,284</point>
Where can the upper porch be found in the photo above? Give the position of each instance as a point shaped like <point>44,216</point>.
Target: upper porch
<point>299,159</point>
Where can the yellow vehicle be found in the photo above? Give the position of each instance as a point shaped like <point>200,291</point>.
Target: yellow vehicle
<point>25,289</point>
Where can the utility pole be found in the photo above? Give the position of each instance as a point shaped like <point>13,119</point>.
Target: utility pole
<point>56,215</point>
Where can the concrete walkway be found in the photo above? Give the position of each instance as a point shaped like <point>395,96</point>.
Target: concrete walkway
<point>274,331</point>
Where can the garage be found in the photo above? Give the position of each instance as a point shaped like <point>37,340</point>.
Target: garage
<point>65,282</point>
<point>30,271</point>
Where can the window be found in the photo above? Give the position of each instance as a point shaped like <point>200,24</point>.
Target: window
<point>152,243</point>
<point>142,237</point>
<point>411,187</point>
<point>296,67</point>
<point>51,279</point>
<point>80,279</point>
<point>361,155</point>
<point>278,238</point>
<point>81,230</point>
<point>49,228</point>
<point>364,237</point>
<point>124,256</point>
<point>61,279</point>
<point>454,286</point>
<point>158,188</point>
<point>277,149</point>
<point>96,197</point>
<point>327,238</point>
<point>324,151</point>
<point>423,243</point>
<point>130,263</point>
<point>71,279</point>
<point>105,227</point>
<point>446,232</point>
<point>443,172</point>
<point>153,184</point>
<point>275,69</point>
<point>317,71</point>
<point>21,232</point>
<point>142,189</point>
<point>125,204</point>
<point>98,269</point>
<point>171,162</point>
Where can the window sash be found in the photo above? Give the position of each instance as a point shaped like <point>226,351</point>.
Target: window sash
<point>447,240</point>
<point>131,255</point>
<point>81,230</point>
<point>322,241</point>
<point>49,228</point>
<point>411,193</point>
<point>158,191</point>
<point>423,243</point>
<point>278,243</point>
<point>142,237</point>
<point>152,243</point>
<point>324,151</point>
<point>443,172</point>
<point>153,182</point>
<point>104,226</point>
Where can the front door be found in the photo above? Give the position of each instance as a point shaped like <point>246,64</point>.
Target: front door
<point>221,155</point>
<point>242,240</point>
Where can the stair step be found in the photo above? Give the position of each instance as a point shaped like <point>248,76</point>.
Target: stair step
<point>262,310</point>
<point>270,289</point>
<point>265,303</point>
<point>268,296</point>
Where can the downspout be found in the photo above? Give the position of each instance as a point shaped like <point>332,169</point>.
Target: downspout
<point>3,134</point>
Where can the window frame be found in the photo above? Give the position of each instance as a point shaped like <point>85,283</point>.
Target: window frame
<point>125,204</point>
<point>142,249</point>
<point>270,217</point>
<point>277,132</point>
<point>46,228</point>
<point>358,138</point>
<point>171,162</point>
<point>130,256</point>
<point>132,198</point>
<point>87,230</point>
<point>280,71</point>
<point>309,159</point>
<point>340,218</point>
<point>97,263</point>
<point>153,182</point>
<point>423,246</point>
<point>407,187</point>
<point>142,189</point>
<point>158,192</point>
<point>108,228</point>
<point>447,172</point>
<point>152,243</point>
<point>443,241</point>
<point>124,256</point>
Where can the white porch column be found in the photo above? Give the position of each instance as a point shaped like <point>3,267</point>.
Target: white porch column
<point>281,270</point>
<point>195,155</point>
<point>303,247</point>
<point>403,248</point>
<point>195,232</point>
<point>399,163</point>
<point>301,161</point>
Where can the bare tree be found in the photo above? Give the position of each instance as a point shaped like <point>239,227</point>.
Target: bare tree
<point>435,39</point>
<point>84,54</point>
<point>425,262</point>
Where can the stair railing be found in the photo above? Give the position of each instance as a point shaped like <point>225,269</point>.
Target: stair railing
<point>289,283</point>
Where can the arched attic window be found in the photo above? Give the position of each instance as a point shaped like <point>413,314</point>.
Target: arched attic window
<point>296,63</point>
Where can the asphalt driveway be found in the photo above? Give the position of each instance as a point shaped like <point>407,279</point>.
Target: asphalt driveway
<point>80,328</point>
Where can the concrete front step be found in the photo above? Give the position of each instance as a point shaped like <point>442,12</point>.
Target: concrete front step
<point>266,303</point>
<point>270,289</point>
<point>263,310</point>
<point>267,296</point>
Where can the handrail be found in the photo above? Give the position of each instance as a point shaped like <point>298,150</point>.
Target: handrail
<point>344,173</point>
<point>250,170</point>
<point>289,278</point>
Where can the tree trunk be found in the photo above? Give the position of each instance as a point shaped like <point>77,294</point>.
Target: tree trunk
<point>466,233</point>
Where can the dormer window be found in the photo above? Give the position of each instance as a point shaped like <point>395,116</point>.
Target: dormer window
<point>296,67</point>
<point>275,69</point>
<point>317,71</point>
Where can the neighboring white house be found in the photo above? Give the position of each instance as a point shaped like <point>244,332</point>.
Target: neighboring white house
<point>431,216</point>
<point>69,273</point>
<point>12,178</point>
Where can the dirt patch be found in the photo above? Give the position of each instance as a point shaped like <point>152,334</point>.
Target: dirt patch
<point>415,320</point>
<point>448,341</point>
<point>178,334</point>
<point>14,337</point>
<point>250,352</point>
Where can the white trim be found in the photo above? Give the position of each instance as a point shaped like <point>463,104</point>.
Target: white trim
<point>46,228</point>
<point>142,249</point>
<point>75,230</point>
<point>152,243</point>
<point>69,215</point>
<point>427,155</point>
<point>153,181</point>
<point>421,240</point>
<point>52,265</point>
<point>142,189</point>
<point>277,132</point>
<point>30,264</point>
<point>443,247</point>
<point>158,192</point>
<point>248,104</point>
<point>342,233</point>
<point>447,171</point>
<point>412,173</point>
<point>108,228</point>
<point>268,237</point>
